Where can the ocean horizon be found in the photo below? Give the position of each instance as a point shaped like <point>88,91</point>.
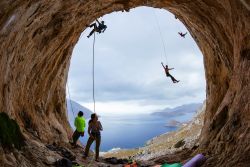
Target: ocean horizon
<point>132,131</point>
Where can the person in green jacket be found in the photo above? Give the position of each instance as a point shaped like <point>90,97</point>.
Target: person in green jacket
<point>80,126</point>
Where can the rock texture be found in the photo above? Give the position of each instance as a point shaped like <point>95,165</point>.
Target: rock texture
<point>36,42</point>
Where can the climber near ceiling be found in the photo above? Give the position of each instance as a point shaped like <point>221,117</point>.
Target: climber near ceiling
<point>100,28</point>
<point>182,34</point>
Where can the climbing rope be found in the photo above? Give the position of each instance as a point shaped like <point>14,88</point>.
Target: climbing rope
<point>71,106</point>
<point>93,73</point>
<point>93,86</point>
<point>162,40</point>
<point>70,100</point>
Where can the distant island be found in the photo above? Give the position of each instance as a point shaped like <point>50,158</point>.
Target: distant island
<point>178,111</point>
<point>173,123</point>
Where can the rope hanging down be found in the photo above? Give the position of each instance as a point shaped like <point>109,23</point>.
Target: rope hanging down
<point>93,73</point>
<point>71,106</point>
<point>162,40</point>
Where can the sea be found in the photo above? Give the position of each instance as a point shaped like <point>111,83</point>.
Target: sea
<point>132,131</point>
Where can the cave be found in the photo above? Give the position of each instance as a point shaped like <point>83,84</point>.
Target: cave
<point>38,37</point>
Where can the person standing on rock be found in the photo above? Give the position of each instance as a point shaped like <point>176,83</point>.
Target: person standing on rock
<point>94,129</point>
<point>100,28</point>
<point>80,127</point>
<point>166,69</point>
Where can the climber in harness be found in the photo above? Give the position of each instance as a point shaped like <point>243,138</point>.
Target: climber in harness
<point>94,131</point>
<point>100,28</point>
<point>80,126</point>
<point>168,74</point>
<point>182,35</point>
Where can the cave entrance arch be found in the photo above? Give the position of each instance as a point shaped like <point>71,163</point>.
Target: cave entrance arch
<point>129,76</point>
<point>37,39</point>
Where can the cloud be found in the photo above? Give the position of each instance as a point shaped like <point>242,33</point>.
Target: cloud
<point>128,57</point>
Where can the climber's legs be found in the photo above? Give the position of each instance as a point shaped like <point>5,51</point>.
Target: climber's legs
<point>75,137</point>
<point>97,139</point>
<point>89,142</point>
<point>172,78</point>
<point>97,146</point>
<point>91,33</point>
<point>93,25</point>
<point>94,29</point>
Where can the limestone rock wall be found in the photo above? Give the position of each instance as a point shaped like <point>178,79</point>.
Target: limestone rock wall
<point>37,39</point>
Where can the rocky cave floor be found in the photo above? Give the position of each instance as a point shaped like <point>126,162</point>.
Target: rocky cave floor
<point>36,153</point>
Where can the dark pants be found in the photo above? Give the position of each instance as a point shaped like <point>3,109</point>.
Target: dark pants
<point>76,136</point>
<point>172,78</point>
<point>97,139</point>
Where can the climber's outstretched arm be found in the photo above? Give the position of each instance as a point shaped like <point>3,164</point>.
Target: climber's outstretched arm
<point>162,65</point>
<point>170,68</point>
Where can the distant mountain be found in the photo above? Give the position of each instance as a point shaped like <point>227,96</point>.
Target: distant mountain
<point>76,108</point>
<point>178,111</point>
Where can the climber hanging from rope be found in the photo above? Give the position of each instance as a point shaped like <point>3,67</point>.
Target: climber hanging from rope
<point>100,28</point>
<point>182,35</point>
<point>166,69</point>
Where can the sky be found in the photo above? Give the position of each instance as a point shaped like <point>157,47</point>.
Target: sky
<point>129,78</point>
